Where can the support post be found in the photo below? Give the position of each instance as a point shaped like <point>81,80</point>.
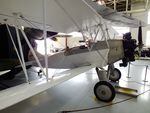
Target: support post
<point>127,3</point>
<point>115,5</point>
<point>12,40</point>
<point>45,36</point>
<point>32,50</point>
<point>129,70</point>
<point>22,56</point>
<point>146,4</point>
<point>145,74</point>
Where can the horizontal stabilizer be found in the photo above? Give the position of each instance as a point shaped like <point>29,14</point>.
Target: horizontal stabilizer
<point>4,72</point>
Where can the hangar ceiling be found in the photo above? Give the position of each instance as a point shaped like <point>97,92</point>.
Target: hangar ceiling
<point>122,5</point>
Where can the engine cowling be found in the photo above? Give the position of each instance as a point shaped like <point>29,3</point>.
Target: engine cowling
<point>129,46</point>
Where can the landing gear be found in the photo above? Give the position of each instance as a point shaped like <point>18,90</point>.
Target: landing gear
<point>104,91</point>
<point>115,75</point>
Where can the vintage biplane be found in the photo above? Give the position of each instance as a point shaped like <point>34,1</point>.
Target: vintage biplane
<point>43,19</point>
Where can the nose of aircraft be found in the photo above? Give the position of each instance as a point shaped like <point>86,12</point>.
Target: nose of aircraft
<point>129,46</point>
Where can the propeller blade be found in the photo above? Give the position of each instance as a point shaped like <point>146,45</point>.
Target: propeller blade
<point>140,42</point>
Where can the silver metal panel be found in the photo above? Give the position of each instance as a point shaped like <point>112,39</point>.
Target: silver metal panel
<point>60,60</point>
<point>98,56</point>
<point>116,51</point>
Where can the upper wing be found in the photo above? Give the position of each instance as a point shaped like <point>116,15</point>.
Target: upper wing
<point>21,92</point>
<point>61,15</point>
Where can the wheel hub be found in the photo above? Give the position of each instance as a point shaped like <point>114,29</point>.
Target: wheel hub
<point>104,92</point>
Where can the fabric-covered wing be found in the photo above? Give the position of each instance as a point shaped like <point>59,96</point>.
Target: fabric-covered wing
<point>61,15</point>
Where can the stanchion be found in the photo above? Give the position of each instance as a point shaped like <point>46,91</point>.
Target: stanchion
<point>129,71</point>
<point>138,65</point>
<point>145,74</point>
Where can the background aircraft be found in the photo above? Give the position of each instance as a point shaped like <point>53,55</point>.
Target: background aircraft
<point>8,58</point>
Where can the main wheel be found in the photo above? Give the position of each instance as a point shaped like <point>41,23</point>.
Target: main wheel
<point>104,91</point>
<point>115,76</point>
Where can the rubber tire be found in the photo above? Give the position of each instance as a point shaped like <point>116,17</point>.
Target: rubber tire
<point>115,79</point>
<point>112,89</point>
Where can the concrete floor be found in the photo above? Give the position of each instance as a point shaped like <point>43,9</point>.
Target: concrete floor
<point>76,95</point>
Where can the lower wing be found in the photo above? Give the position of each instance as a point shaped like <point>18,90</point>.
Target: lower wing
<point>21,92</point>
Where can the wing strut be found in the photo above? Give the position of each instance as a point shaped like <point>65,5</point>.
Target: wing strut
<point>21,59</point>
<point>21,50</point>
<point>45,36</point>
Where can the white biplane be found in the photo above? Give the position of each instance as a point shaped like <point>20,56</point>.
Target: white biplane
<point>65,16</point>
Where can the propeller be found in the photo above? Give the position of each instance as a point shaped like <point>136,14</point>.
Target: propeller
<point>140,41</point>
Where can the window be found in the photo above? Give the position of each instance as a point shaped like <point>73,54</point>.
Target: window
<point>149,17</point>
<point>101,2</point>
<point>40,46</point>
<point>148,38</point>
<point>121,30</point>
